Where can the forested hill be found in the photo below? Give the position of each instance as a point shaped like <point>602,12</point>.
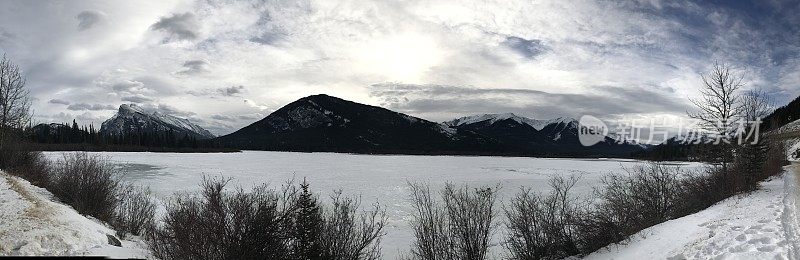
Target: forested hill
<point>782,116</point>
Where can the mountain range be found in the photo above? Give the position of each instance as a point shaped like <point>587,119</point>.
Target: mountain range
<point>326,123</point>
<point>322,123</point>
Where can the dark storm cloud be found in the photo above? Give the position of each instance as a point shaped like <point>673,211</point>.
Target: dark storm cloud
<point>181,26</point>
<point>92,107</point>
<point>192,67</point>
<point>609,100</point>
<point>58,101</point>
<point>89,18</point>
<point>527,48</point>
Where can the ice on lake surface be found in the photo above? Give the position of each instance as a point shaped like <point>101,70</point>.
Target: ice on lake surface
<point>375,178</point>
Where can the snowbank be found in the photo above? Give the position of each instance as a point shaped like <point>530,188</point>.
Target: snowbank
<point>760,225</point>
<point>31,223</point>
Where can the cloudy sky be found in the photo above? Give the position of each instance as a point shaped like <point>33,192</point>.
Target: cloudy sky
<point>225,64</point>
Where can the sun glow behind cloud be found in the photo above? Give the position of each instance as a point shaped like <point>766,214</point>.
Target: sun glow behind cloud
<point>404,57</point>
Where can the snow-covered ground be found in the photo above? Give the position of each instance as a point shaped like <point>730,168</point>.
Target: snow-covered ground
<point>32,224</point>
<point>374,178</point>
<point>760,225</point>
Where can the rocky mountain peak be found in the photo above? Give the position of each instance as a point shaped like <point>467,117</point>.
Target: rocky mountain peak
<point>133,118</point>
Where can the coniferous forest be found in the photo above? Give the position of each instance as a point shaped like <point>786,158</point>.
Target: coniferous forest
<point>57,137</point>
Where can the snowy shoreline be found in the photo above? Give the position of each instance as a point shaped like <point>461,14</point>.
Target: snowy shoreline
<point>32,223</point>
<point>759,225</point>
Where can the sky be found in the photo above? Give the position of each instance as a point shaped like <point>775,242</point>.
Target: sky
<point>226,64</point>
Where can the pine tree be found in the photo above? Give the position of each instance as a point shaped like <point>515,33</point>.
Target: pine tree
<point>308,225</point>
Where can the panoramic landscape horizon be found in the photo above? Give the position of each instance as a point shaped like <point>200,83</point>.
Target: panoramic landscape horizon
<point>400,129</point>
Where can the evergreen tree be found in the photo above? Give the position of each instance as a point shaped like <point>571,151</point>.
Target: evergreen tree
<point>308,223</point>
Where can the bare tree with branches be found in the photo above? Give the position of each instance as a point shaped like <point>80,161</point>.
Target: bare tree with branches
<point>15,104</point>
<point>755,105</point>
<point>719,104</point>
<point>753,149</point>
<point>719,109</point>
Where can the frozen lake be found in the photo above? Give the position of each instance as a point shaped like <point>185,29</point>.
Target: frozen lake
<point>375,178</point>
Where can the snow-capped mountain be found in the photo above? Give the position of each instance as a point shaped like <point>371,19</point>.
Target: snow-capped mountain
<point>552,128</point>
<point>132,118</point>
<point>326,123</point>
<point>552,136</point>
<point>492,118</point>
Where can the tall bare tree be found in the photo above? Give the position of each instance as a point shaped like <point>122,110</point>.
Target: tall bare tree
<point>15,104</point>
<point>755,105</point>
<point>719,104</point>
<point>720,110</point>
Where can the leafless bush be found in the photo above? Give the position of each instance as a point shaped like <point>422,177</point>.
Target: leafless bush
<point>703,189</point>
<point>87,183</point>
<point>433,239</point>
<point>135,212</point>
<point>264,224</point>
<point>542,227</point>
<point>458,227</point>
<point>597,227</point>
<point>31,166</point>
<point>648,194</point>
<point>645,196</point>
<point>17,158</point>
<point>775,159</point>
<point>348,234</point>
<point>242,225</point>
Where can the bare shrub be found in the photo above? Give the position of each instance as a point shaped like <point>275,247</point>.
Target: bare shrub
<point>703,189</point>
<point>135,211</point>
<point>17,158</point>
<point>471,213</point>
<point>29,165</point>
<point>597,227</point>
<point>348,234</point>
<point>432,236</point>
<point>645,196</point>
<point>263,224</point>
<point>458,227</point>
<point>541,227</point>
<point>87,183</point>
<point>243,225</point>
<point>776,158</point>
